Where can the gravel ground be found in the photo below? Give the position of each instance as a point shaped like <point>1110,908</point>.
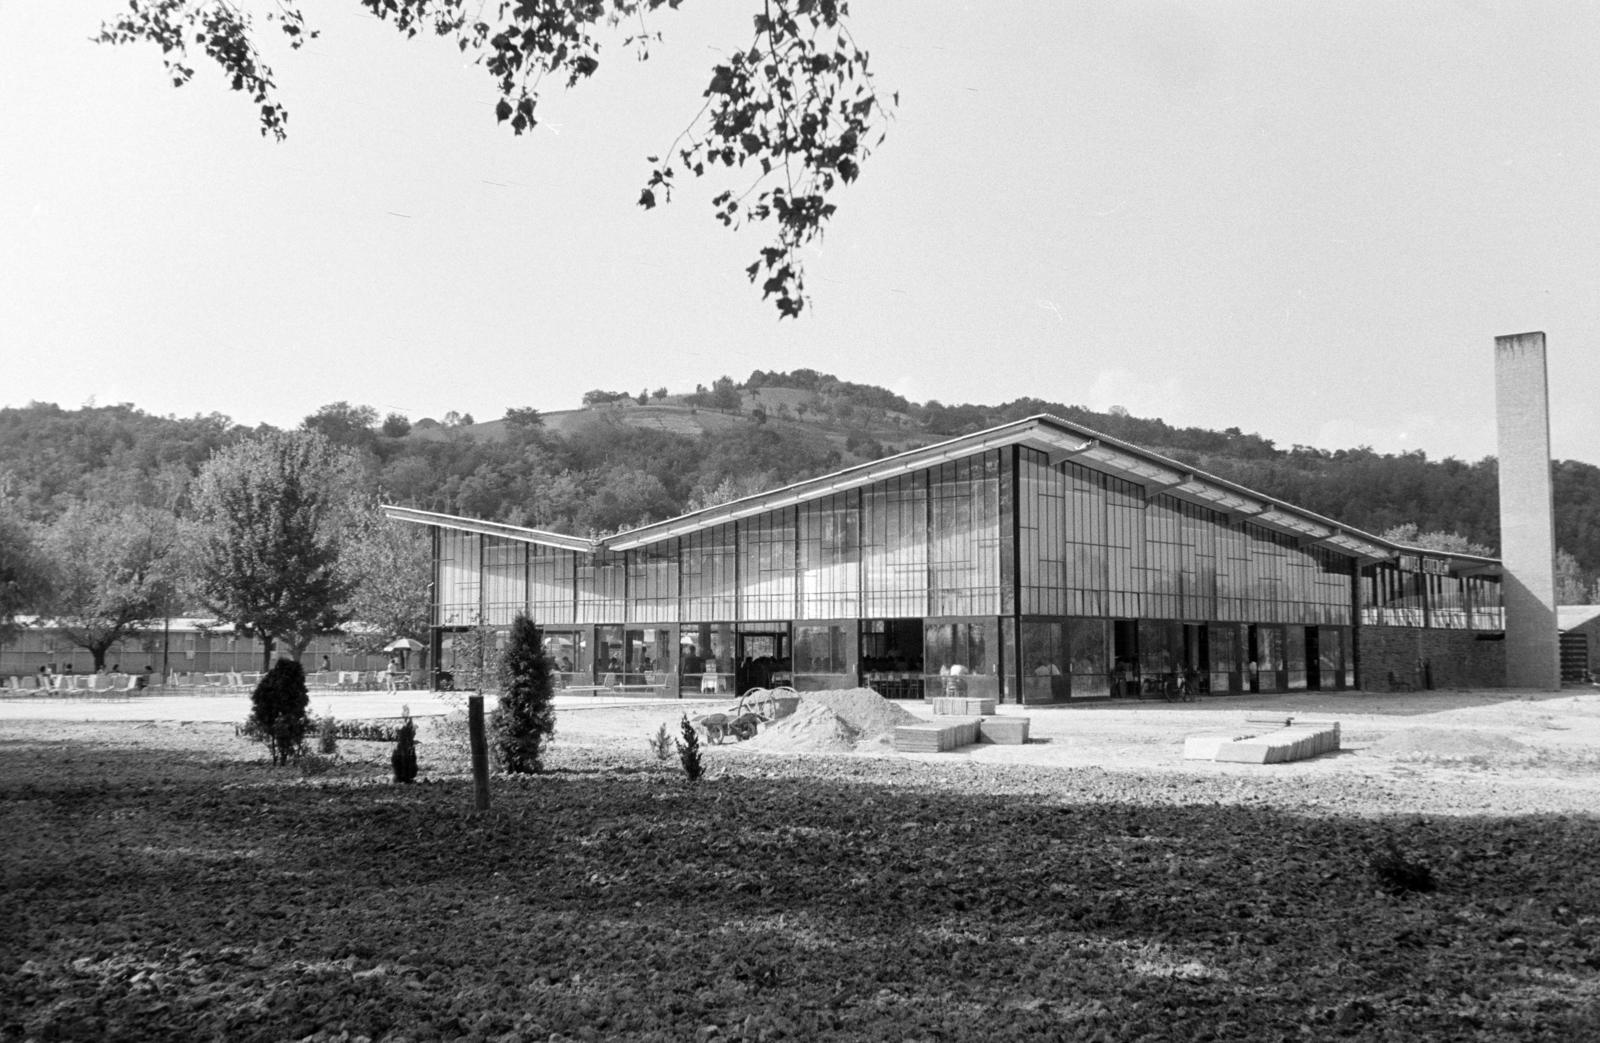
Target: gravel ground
<point>1439,753</point>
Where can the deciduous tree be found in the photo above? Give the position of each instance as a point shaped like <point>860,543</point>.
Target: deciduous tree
<point>112,570</point>
<point>273,513</point>
<point>790,115</point>
<point>386,566</point>
<point>1447,542</point>
<point>1572,586</point>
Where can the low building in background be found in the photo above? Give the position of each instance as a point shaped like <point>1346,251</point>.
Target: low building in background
<point>182,644</point>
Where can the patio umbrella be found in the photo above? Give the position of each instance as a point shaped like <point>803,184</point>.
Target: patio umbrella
<point>405,643</point>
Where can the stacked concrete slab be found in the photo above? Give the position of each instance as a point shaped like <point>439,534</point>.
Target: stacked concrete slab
<point>935,737</point>
<point>1279,746</point>
<point>962,706</point>
<point>960,721</point>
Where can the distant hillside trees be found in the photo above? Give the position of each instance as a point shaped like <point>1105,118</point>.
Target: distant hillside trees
<point>604,469</point>
<point>24,569</point>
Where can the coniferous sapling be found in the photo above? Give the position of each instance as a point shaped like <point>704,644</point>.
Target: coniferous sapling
<point>525,719</point>
<point>404,757</point>
<point>328,735</point>
<point>689,751</point>
<point>278,710</point>
<point>661,743</point>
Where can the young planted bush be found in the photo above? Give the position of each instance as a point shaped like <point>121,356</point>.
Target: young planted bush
<point>526,718</point>
<point>661,743</point>
<point>404,757</point>
<point>327,735</point>
<point>689,751</point>
<point>278,710</point>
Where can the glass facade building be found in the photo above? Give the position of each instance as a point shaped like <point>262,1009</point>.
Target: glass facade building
<point>1035,562</point>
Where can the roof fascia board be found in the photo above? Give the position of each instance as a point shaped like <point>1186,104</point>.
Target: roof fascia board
<point>488,528</point>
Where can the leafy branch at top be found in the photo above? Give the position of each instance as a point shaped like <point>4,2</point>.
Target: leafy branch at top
<point>799,104</point>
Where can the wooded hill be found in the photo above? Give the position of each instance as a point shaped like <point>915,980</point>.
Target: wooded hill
<point>624,459</point>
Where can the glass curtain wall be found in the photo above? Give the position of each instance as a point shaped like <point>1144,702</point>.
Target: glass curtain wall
<point>1046,660</point>
<point>570,654</point>
<point>964,536</point>
<point>552,580</point>
<point>830,558</point>
<point>706,663</point>
<point>458,580</point>
<point>962,658</point>
<point>505,580</point>
<point>826,655</point>
<point>709,565</point>
<point>650,656</point>
<point>767,552</point>
<point>602,582</point>
<point>653,583</point>
<point>894,548</point>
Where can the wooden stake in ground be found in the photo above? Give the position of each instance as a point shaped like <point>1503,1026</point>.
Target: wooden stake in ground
<point>480,753</point>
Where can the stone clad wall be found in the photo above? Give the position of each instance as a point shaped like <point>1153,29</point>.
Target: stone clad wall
<point>1454,658</point>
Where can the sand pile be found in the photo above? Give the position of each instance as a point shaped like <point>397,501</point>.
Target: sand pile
<point>1444,746</point>
<point>812,728</point>
<point>836,721</point>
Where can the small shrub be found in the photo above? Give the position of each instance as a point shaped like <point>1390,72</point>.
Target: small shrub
<point>404,757</point>
<point>1399,875</point>
<point>278,710</point>
<point>367,731</point>
<point>327,735</point>
<point>316,764</point>
<point>661,743</point>
<point>689,751</point>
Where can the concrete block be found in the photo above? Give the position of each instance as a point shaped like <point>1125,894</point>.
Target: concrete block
<point>938,737</point>
<point>1203,747</point>
<point>962,706</point>
<point>1005,731</point>
<point>1275,747</point>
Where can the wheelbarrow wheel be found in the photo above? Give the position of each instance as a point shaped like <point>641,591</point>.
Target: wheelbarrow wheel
<point>760,702</point>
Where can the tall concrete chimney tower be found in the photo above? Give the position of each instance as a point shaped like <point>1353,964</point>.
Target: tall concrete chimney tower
<point>1527,523</point>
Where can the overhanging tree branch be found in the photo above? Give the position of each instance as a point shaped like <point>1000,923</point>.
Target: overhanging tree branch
<point>753,112</point>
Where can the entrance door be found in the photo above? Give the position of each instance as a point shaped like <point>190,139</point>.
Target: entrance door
<point>891,657</point>
<point>1124,657</point>
<point>763,660</point>
<point>1196,657</point>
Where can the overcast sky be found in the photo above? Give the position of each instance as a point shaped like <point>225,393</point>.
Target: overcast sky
<point>1305,220</point>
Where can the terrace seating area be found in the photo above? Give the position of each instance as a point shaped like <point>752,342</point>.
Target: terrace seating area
<point>232,682</point>
<point>70,686</point>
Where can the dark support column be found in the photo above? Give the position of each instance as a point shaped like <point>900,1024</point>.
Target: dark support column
<point>480,753</point>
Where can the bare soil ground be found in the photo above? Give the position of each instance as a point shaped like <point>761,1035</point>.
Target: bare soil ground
<point>1433,880</point>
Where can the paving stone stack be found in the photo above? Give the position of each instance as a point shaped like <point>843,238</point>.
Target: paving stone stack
<point>960,721</point>
<point>1289,743</point>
